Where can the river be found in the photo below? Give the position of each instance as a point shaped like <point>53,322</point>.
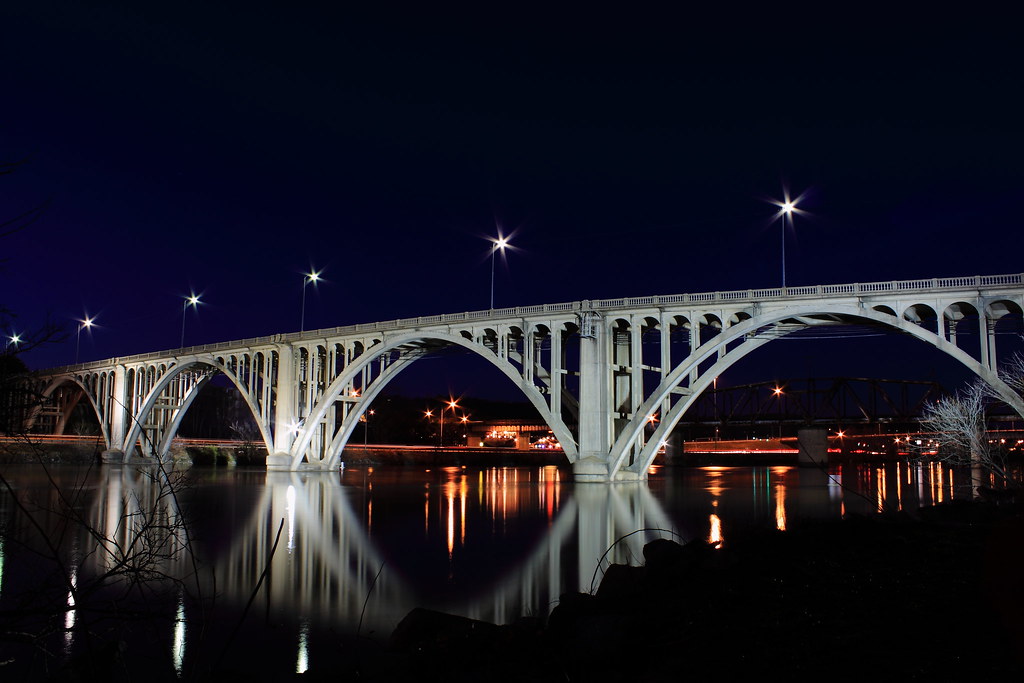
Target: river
<point>274,571</point>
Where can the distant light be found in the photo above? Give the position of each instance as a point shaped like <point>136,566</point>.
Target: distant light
<point>15,339</point>
<point>193,299</point>
<point>313,276</point>
<point>777,391</point>
<point>787,207</point>
<point>501,243</point>
<point>453,404</point>
<point>428,413</point>
<point>87,323</point>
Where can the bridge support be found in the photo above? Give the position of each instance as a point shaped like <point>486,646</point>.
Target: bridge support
<point>812,443</point>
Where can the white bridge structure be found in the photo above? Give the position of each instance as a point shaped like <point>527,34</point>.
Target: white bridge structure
<point>610,377</point>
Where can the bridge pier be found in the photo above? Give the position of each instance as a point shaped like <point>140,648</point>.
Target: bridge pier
<point>280,462</point>
<point>595,469</point>
<point>113,456</point>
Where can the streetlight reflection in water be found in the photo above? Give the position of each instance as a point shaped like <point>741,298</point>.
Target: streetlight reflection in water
<point>363,547</point>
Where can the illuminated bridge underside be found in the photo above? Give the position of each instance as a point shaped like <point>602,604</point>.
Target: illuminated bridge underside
<point>597,371</point>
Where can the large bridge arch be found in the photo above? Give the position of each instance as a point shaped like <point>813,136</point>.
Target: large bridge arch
<point>410,340</point>
<point>161,384</point>
<point>51,388</point>
<point>747,331</point>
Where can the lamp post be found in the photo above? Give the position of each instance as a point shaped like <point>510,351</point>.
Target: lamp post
<point>452,404</point>
<point>499,243</point>
<point>777,392</point>
<point>786,209</point>
<point>365,419</point>
<point>13,339</point>
<point>190,300</point>
<point>314,277</point>
<point>86,323</point>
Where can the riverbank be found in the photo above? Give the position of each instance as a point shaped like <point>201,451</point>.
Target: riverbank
<point>931,595</point>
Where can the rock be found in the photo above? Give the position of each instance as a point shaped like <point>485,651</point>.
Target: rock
<point>622,582</point>
<point>428,629</point>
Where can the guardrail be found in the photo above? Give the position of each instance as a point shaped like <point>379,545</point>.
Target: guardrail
<point>733,296</point>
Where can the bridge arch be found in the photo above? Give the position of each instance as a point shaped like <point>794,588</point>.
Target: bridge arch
<point>747,332</point>
<point>399,342</point>
<point>80,383</point>
<point>162,381</point>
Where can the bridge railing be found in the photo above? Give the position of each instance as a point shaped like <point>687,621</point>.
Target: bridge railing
<point>739,295</point>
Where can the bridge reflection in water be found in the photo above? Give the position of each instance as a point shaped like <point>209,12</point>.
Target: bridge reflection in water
<point>350,553</point>
<point>360,549</point>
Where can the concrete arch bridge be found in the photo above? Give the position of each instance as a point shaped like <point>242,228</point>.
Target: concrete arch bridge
<point>597,371</point>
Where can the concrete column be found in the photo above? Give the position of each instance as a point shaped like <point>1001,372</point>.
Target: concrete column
<point>557,363</point>
<point>993,361</point>
<point>285,414</point>
<point>694,344</point>
<point>118,415</point>
<point>529,356</point>
<point>595,406</point>
<point>666,360</point>
<point>983,334</point>
<point>812,443</point>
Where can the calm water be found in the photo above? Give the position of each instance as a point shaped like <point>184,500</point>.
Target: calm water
<point>277,570</point>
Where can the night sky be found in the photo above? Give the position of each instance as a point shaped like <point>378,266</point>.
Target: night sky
<point>227,149</point>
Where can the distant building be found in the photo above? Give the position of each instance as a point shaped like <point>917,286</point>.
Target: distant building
<point>519,434</point>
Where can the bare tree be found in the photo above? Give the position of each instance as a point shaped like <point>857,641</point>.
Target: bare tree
<point>961,424</point>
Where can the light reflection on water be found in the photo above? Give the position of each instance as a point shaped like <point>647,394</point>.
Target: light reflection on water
<point>363,547</point>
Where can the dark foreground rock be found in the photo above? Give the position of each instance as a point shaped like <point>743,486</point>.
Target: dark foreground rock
<point>934,596</point>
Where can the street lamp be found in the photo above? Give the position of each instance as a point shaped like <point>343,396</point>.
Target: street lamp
<point>314,277</point>
<point>365,419</point>
<point>86,323</point>
<point>190,300</point>
<point>452,404</point>
<point>787,207</point>
<point>499,243</point>
<point>13,339</point>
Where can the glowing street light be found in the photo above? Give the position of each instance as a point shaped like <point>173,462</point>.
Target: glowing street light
<point>452,404</point>
<point>190,300</point>
<point>499,243</point>
<point>13,339</point>
<point>314,277</point>
<point>87,324</point>
<point>787,207</point>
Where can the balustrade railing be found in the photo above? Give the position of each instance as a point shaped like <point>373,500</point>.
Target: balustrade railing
<point>733,296</point>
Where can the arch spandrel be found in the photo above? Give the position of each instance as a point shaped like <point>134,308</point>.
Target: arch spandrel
<point>146,402</point>
<point>747,331</point>
<point>407,341</point>
<point>81,383</point>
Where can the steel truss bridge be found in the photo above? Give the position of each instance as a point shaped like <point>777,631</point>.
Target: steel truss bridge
<point>815,400</point>
<point>597,371</point>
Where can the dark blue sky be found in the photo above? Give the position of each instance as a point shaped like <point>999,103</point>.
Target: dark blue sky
<point>226,149</point>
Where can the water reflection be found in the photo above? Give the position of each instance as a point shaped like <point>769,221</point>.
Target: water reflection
<point>178,646</point>
<point>356,551</point>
